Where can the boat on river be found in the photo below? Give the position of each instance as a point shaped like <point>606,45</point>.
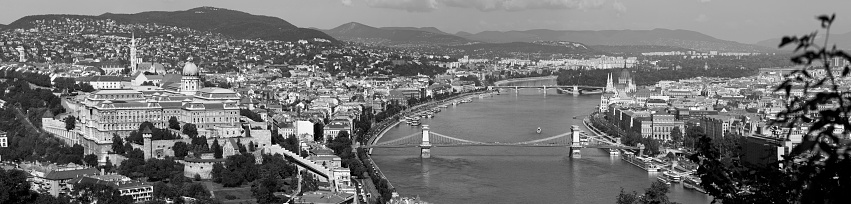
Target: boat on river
<point>639,161</point>
<point>539,130</point>
<point>663,179</point>
<point>693,183</point>
<point>672,176</point>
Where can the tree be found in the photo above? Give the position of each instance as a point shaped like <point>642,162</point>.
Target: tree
<point>197,177</point>
<point>180,149</point>
<point>308,182</point>
<point>318,132</point>
<point>216,173</point>
<point>190,129</point>
<point>251,146</point>
<point>91,160</point>
<point>173,123</point>
<point>232,178</point>
<point>117,145</point>
<point>14,187</point>
<point>656,194</point>
<point>241,147</point>
<point>628,198</point>
<point>99,193</point>
<point>677,135</point>
<point>70,122</point>
<point>195,190</point>
<point>814,171</point>
<point>264,190</point>
<point>217,149</point>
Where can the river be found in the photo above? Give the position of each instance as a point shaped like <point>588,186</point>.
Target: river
<point>513,174</point>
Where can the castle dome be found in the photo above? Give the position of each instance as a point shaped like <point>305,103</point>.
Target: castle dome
<point>190,69</point>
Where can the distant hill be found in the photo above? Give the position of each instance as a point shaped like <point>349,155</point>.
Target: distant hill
<point>541,47</point>
<point>657,37</point>
<point>2,26</point>
<point>230,23</point>
<point>842,41</point>
<point>426,29</point>
<point>396,36</point>
<point>636,49</point>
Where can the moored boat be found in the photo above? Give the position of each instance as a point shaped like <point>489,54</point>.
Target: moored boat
<point>693,183</point>
<point>539,130</point>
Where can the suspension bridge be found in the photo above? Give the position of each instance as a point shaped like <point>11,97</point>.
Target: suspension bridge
<point>575,89</point>
<point>575,140</point>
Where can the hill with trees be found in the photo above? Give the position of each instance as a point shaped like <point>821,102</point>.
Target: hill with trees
<point>361,33</point>
<point>231,23</point>
<point>657,37</point>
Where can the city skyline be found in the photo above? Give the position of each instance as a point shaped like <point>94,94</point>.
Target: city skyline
<point>746,22</point>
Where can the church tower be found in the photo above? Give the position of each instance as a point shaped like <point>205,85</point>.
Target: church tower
<point>134,62</point>
<point>190,82</point>
<point>610,86</point>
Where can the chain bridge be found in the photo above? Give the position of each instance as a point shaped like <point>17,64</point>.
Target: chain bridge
<point>575,140</point>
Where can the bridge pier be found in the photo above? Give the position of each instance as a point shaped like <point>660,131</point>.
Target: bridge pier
<point>545,90</point>
<point>576,143</point>
<point>575,90</point>
<point>425,146</point>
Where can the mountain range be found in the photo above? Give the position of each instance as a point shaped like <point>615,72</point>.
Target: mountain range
<point>685,39</point>
<point>230,23</point>
<point>397,36</point>
<point>842,41</point>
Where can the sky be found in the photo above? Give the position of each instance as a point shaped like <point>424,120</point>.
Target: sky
<point>746,21</point>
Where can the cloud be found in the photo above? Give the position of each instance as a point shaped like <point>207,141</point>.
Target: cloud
<point>407,5</point>
<point>618,6</point>
<point>701,18</point>
<point>494,5</point>
<point>347,2</point>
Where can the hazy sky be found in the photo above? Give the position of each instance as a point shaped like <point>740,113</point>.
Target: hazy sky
<point>745,21</point>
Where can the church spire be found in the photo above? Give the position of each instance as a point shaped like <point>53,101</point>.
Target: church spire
<point>133,60</point>
<point>610,87</point>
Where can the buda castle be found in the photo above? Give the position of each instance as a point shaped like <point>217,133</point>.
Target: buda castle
<point>104,113</point>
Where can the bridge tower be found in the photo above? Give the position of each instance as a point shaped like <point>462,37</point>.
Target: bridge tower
<point>516,90</point>
<point>545,90</point>
<point>576,143</point>
<point>425,146</point>
<point>575,90</point>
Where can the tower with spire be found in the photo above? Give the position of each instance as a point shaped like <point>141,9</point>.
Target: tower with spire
<point>133,61</point>
<point>610,86</point>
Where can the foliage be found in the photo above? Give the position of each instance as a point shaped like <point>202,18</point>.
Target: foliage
<point>677,135</point>
<point>91,160</point>
<point>190,129</point>
<point>173,123</point>
<point>156,134</point>
<point>250,114</point>
<point>70,122</point>
<point>217,149</point>
<point>816,170</point>
<point>318,132</point>
<point>308,182</point>
<point>656,194</point>
<point>99,193</point>
<point>14,187</point>
<point>117,144</point>
<point>180,150</point>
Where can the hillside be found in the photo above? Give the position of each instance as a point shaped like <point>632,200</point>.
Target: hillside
<point>842,41</point>
<point>2,26</point>
<point>636,49</point>
<point>656,37</point>
<point>426,29</point>
<point>540,47</point>
<point>230,23</point>
<point>361,33</point>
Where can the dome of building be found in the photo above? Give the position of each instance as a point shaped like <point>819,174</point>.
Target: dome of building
<point>625,74</point>
<point>190,69</point>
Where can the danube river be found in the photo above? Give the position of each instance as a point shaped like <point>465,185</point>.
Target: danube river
<point>513,174</point>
